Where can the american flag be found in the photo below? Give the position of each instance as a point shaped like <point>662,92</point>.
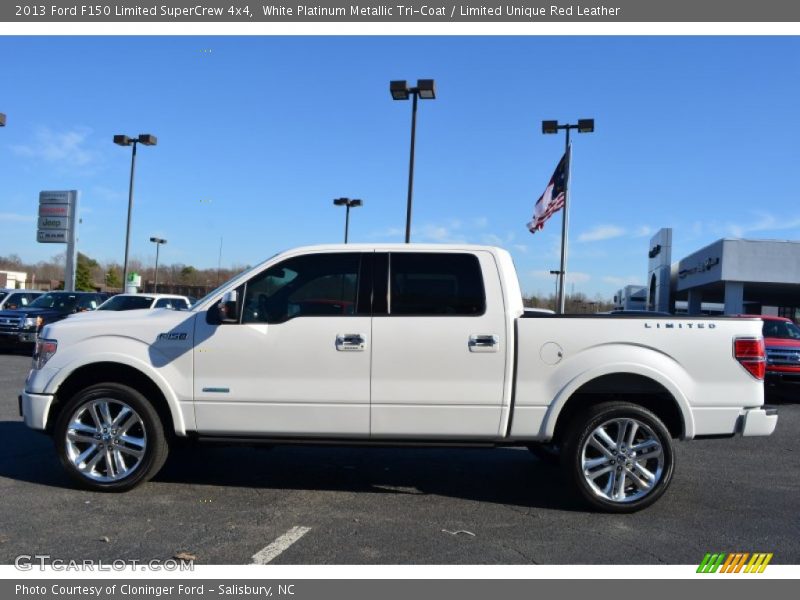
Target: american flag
<point>552,199</point>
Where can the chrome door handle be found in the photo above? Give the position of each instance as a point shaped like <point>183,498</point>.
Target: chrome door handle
<point>483,343</point>
<point>350,342</point>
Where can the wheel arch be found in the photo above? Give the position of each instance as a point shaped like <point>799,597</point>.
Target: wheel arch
<point>637,385</point>
<point>110,371</point>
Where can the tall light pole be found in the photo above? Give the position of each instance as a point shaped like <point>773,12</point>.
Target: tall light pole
<point>348,203</point>
<point>426,90</point>
<point>583,126</point>
<point>2,119</point>
<point>157,241</point>
<point>123,140</point>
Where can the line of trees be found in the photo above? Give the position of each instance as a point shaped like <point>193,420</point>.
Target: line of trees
<point>91,274</point>
<point>574,303</point>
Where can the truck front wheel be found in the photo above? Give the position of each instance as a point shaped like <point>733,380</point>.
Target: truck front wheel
<point>110,438</point>
<point>619,457</point>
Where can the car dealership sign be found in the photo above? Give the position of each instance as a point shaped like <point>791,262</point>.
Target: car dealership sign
<point>53,223</point>
<point>57,224</point>
<point>56,216</point>
<point>57,236</point>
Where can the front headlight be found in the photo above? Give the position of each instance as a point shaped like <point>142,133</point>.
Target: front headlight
<point>32,322</point>
<point>45,349</point>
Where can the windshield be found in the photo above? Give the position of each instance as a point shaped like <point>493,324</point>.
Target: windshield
<point>781,329</point>
<point>64,301</point>
<point>126,303</point>
<point>3,295</point>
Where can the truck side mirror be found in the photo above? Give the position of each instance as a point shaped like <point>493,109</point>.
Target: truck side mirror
<point>225,311</point>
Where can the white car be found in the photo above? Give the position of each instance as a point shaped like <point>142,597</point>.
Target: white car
<point>139,301</point>
<point>401,344</point>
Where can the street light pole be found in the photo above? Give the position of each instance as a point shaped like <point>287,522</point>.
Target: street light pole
<point>123,140</point>
<point>411,167</point>
<point>346,223</point>
<point>426,89</point>
<point>583,126</point>
<point>348,204</point>
<point>555,296</point>
<point>562,301</point>
<point>2,120</point>
<point>128,228</point>
<point>157,241</point>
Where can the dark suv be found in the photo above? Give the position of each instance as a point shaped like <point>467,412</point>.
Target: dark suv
<point>20,327</point>
<point>13,298</point>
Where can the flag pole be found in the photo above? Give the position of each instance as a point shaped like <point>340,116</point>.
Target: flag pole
<point>564,229</point>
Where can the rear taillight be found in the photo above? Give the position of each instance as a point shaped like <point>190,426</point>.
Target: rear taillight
<point>752,355</point>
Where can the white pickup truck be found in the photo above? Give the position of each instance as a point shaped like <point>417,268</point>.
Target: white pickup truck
<point>395,344</point>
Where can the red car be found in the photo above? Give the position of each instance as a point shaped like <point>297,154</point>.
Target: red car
<point>782,339</point>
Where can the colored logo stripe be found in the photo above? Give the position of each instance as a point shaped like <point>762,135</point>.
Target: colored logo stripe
<point>734,562</point>
<point>710,563</point>
<point>758,563</point>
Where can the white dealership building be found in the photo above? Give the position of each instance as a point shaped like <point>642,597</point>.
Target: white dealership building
<point>737,275</point>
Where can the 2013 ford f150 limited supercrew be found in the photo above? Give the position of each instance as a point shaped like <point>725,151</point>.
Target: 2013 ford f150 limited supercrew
<point>395,344</point>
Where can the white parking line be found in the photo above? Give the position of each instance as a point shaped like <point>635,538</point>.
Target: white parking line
<point>269,553</point>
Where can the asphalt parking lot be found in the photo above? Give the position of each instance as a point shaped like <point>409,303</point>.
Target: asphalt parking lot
<point>393,506</point>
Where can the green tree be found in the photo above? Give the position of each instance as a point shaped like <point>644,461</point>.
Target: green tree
<point>83,273</point>
<point>188,274</point>
<point>113,277</point>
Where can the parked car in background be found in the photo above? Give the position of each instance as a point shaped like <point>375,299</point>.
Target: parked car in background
<point>139,301</point>
<point>782,339</point>
<point>20,327</point>
<point>11,298</point>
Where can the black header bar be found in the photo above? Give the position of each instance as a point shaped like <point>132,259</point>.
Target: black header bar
<point>411,11</point>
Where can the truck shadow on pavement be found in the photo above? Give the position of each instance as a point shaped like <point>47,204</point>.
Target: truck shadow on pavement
<point>782,395</point>
<point>502,476</point>
<point>29,456</point>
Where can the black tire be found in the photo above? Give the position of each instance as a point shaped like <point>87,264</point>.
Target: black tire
<point>548,453</point>
<point>150,427</point>
<point>611,414</point>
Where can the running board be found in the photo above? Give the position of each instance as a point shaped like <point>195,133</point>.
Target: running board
<point>211,439</point>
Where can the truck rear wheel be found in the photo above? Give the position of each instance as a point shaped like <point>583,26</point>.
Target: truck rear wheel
<point>619,457</point>
<point>110,438</point>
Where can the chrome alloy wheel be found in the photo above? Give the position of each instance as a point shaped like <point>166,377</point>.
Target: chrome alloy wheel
<point>105,440</point>
<point>622,460</point>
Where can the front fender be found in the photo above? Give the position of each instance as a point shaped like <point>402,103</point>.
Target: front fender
<point>172,379</point>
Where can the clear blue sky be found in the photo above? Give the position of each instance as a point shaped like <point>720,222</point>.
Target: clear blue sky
<point>258,134</point>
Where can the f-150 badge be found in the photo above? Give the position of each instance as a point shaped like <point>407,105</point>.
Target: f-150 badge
<point>175,335</point>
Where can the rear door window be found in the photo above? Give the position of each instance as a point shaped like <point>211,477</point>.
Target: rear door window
<point>424,284</point>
